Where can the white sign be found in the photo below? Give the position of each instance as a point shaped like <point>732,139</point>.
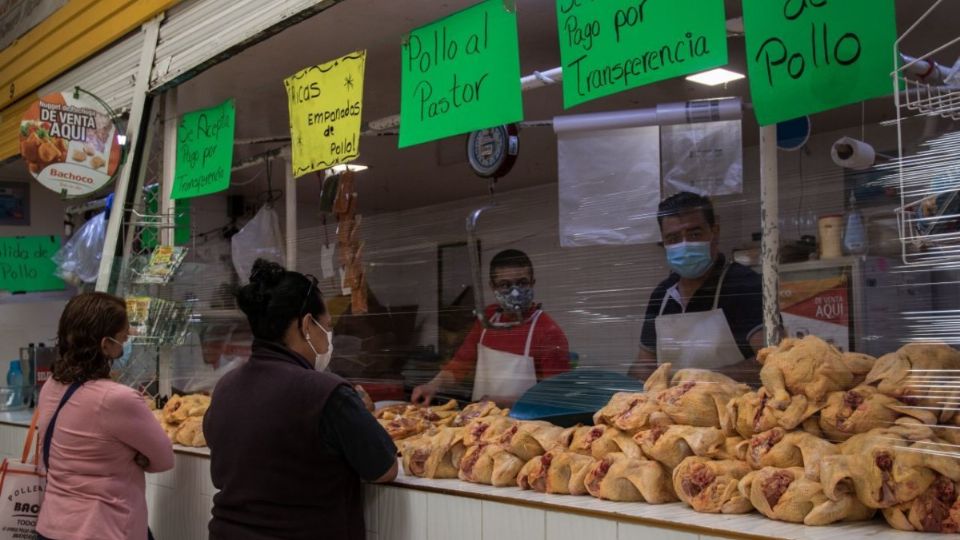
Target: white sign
<point>704,158</point>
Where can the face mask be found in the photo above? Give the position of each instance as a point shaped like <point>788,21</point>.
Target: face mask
<point>122,361</point>
<point>516,299</point>
<point>690,259</point>
<point>321,361</point>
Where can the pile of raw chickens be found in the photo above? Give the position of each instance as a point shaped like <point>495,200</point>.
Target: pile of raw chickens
<point>182,418</point>
<point>828,437</point>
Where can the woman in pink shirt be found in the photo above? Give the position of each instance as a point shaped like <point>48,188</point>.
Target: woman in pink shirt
<point>104,437</point>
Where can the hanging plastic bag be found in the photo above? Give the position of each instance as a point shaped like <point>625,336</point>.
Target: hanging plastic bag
<point>260,238</point>
<point>78,261</point>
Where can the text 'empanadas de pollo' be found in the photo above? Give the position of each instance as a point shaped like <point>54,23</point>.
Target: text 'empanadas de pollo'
<point>711,486</point>
<point>617,477</point>
<point>557,472</point>
<point>788,495</point>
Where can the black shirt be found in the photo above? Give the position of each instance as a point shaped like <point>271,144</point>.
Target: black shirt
<point>741,299</point>
<point>348,430</point>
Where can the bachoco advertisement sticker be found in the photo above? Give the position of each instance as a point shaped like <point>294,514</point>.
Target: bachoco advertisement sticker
<point>69,143</point>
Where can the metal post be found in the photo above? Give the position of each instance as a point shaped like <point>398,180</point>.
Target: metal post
<point>151,31</point>
<point>291,212</point>
<point>167,205</point>
<point>770,216</point>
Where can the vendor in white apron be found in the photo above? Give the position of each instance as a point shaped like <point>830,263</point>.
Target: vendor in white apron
<point>505,362</point>
<point>708,313</point>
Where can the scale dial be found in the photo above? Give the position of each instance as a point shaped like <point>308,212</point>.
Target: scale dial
<point>492,152</point>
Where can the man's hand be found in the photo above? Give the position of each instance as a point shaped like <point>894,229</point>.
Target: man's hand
<point>423,394</point>
<point>367,402</point>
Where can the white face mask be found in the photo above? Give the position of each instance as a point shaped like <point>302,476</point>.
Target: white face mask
<point>321,361</point>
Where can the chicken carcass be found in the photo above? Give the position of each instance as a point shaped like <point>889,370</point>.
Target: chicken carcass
<point>631,412</point>
<point>672,444</point>
<point>711,486</point>
<point>789,495</point>
<point>781,449</point>
<point>936,510</point>
<point>754,412</point>
<point>908,375</point>
<point>527,440</point>
<point>700,404</point>
<point>618,477</point>
<point>491,465</point>
<point>809,367</point>
<point>556,472</point>
<point>862,409</point>
<point>486,429</point>
<point>479,409</point>
<point>435,456</point>
<point>598,441</point>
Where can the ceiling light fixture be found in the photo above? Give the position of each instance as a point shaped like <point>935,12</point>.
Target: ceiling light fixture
<point>715,77</point>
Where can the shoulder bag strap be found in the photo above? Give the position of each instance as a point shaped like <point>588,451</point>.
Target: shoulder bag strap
<point>30,433</point>
<point>48,437</point>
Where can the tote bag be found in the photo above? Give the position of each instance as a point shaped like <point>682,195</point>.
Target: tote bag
<point>21,491</point>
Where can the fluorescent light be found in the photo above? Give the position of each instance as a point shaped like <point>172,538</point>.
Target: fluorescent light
<point>715,77</point>
<point>121,140</point>
<point>352,167</point>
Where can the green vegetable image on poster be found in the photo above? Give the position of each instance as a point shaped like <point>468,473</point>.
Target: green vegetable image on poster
<point>461,74</point>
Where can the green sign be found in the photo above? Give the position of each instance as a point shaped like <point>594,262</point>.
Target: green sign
<point>807,56</point>
<point>204,151</point>
<point>615,45</point>
<point>26,264</point>
<point>461,74</point>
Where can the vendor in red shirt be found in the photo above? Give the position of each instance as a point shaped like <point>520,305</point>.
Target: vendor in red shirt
<point>506,362</point>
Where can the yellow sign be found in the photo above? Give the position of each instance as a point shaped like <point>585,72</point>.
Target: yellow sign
<point>325,105</point>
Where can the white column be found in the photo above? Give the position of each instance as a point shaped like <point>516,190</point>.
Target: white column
<point>168,205</point>
<point>290,190</point>
<point>770,216</point>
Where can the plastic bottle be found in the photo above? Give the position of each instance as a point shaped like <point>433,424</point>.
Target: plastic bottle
<point>15,382</point>
<point>855,230</point>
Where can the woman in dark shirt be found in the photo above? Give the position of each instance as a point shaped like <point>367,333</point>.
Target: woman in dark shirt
<point>290,443</point>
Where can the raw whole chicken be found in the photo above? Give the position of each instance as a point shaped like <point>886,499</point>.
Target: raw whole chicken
<point>479,409</point>
<point>598,441</point>
<point>754,412</point>
<point>909,373</point>
<point>617,477</point>
<point>711,486</point>
<point>491,465</point>
<point>789,495</point>
<point>862,409</point>
<point>859,364</point>
<point>435,456</point>
<point>631,412</point>
<point>809,367</point>
<point>886,468</point>
<point>672,444</point>
<point>700,404</point>
<point>936,510</point>
<point>557,472</point>
<point>527,440</point>
<point>486,429</point>
<point>781,449</point>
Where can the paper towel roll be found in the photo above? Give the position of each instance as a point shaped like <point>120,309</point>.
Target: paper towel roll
<point>853,154</point>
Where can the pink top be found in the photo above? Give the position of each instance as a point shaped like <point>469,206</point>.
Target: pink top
<point>95,491</point>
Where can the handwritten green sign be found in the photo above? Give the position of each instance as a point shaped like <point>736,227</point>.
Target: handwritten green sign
<point>615,45</point>
<point>204,151</point>
<point>808,56</point>
<point>461,74</point>
<point>26,264</point>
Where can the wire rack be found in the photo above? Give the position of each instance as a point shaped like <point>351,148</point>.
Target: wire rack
<point>929,178</point>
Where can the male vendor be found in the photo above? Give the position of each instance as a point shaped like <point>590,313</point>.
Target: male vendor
<point>506,361</point>
<point>708,313</point>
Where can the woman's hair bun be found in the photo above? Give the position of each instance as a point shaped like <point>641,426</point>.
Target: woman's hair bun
<point>266,273</point>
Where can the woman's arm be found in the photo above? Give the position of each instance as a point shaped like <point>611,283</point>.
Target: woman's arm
<point>126,417</point>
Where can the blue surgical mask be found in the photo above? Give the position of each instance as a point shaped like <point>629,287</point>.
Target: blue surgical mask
<point>516,299</point>
<point>690,259</point>
<point>123,360</point>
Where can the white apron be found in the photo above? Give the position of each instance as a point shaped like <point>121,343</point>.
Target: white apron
<point>701,339</point>
<point>504,375</point>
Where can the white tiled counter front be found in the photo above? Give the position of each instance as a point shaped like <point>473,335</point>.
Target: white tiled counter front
<point>180,500</point>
